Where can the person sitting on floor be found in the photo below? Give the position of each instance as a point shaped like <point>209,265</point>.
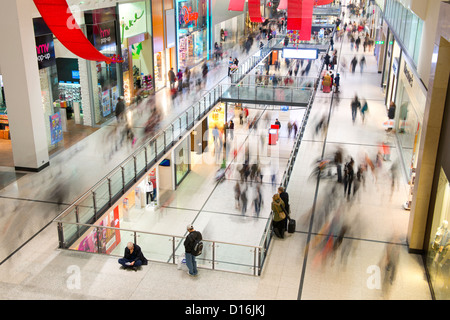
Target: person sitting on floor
<point>133,257</point>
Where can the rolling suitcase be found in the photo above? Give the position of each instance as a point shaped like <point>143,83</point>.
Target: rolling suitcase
<point>291,226</point>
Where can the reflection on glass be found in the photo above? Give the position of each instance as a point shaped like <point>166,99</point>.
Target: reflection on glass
<point>438,254</point>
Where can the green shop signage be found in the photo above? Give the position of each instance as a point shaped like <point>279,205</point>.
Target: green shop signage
<point>132,19</point>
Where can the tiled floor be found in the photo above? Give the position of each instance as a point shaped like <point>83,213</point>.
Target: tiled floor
<point>297,267</point>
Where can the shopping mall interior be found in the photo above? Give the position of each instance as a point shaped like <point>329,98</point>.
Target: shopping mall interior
<point>170,113</point>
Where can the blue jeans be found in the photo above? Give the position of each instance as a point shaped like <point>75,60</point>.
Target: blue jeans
<point>191,264</point>
<point>123,262</point>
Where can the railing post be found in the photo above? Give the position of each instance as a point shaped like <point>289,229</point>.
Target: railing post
<point>146,158</point>
<point>213,258</point>
<point>61,235</point>
<point>109,192</point>
<point>135,167</point>
<point>165,142</point>
<point>254,261</point>
<point>123,180</point>
<point>94,204</point>
<point>173,250</point>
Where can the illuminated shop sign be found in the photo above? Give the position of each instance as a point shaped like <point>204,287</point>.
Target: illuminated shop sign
<point>310,54</point>
<point>188,16</point>
<point>45,51</point>
<point>132,19</point>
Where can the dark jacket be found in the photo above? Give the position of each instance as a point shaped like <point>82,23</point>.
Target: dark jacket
<point>136,255</point>
<point>190,241</point>
<point>120,107</point>
<point>285,197</point>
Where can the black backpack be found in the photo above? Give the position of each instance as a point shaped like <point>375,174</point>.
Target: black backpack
<point>198,246</point>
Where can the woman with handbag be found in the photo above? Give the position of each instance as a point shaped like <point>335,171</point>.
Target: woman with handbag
<point>279,216</point>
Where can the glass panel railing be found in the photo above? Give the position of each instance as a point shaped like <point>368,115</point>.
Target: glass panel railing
<point>156,247</point>
<point>160,143</point>
<point>235,258</point>
<point>116,183</point>
<point>169,136</point>
<point>140,161</point>
<point>128,171</point>
<point>102,195</point>
<point>159,247</point>
<point>85,209</point>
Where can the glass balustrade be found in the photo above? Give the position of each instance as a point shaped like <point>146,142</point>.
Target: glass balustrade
<point>162,248</point>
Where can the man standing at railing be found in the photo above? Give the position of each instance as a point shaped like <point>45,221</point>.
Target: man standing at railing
<point>192,240</point>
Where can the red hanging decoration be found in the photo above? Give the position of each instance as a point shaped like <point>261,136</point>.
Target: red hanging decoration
<point>306,20</point>
<point>59,19</point>
<point>282,5</point>
<point>236,5</point>
<point>322,2</point>
<point>254,11</point>
<point>294,8</point>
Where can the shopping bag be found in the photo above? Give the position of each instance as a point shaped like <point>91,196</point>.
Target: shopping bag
<point>182,262</point>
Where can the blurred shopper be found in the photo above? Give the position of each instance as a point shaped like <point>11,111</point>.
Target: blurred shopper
<point>355,105</point>
<point>348,177</point>
<point>237,195</point>
<point>257,200</point>
<point>120,108</point>
<point>338,163</point>
<point>171,78</point>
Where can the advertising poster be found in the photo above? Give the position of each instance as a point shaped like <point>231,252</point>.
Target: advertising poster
<point>114,96</point>
<point>56,130</point>
<point>106,103</point>
<point>109,238</point>
<point>89,243</point>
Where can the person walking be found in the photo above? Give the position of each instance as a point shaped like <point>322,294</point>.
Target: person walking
<point>353,64</point>
<point>120,108</point>
<point>338,162</point>
<point>189,244</point>
<point>171,78</point>
<point>180,80</point>
<point>279,216</point>
<point>230,64</point>
<point>362,63</point>
<point>349,174</point>
<point>355,106</point>
<point>337,81</point>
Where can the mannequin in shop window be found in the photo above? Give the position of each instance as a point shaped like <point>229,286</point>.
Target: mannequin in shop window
<point>440,240</point>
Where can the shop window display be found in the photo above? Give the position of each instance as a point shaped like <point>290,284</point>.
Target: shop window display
<point>438,257</point>
<point>182,160</point>
<point>407,127</point>
<point>192,30</point>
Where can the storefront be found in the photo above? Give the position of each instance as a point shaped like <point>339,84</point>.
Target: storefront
<point>193,32</point>
<point>438,251</point>
<point>137,50</point>
<point>182,159</point>
<point>391,66</point>
<point>228,33</point>
<point>410,108</point>
<point>4,123</point>
<point>101,26</point>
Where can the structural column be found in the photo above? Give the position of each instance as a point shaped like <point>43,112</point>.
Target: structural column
<point>22,85</point>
